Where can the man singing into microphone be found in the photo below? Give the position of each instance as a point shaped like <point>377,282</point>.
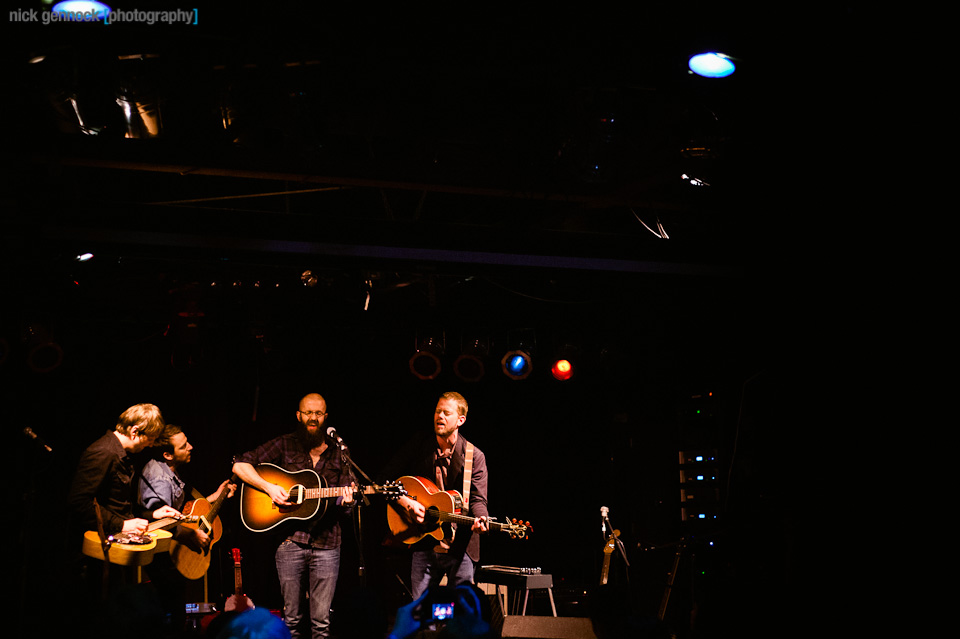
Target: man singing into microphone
<point>310,547</point>
<point>441,456</point>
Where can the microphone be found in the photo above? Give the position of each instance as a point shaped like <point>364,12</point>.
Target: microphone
<point>32,435</point>
<point>332,434</point>
<point>603,519</point>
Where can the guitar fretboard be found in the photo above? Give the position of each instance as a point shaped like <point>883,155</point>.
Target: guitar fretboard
<point>469,521</point>
<point>168,522</point>
<point>334,491</point>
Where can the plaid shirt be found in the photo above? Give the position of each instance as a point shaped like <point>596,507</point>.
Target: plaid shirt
<point>287,452</point>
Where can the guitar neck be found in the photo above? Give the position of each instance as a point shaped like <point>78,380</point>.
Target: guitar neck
<point>237,580</point>
<point>169,522</point>
<point>468,520</point>
<point>337,491</point>
<point>215,506</point>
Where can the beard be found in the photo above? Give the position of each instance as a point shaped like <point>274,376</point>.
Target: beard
<point>311,440</point>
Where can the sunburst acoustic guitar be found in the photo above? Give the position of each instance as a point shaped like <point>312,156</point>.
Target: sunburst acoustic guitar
<point>308,495</point>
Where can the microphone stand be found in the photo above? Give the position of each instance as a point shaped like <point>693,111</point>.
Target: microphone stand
<point>358,529</point>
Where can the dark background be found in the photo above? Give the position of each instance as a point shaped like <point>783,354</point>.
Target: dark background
<point>476,175</point>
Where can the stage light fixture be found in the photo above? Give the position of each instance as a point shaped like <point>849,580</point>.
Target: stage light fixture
<point>517,364</point>
<point>562,370</point>
<point>43,353</point>
<point>564,362</point>
<point>712,65</point>
<point>425,362</point>
<point>309,279</point>
<point>469,366</point>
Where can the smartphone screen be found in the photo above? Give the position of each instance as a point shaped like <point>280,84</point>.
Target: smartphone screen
<point>442,611</point>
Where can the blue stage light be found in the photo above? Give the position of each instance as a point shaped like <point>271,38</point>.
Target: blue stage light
<point>517,364</point>
<point>712,65</point>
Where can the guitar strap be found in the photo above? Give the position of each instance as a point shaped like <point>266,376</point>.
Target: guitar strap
<point>105,545</point>
<point>467,473</point>
<point>444,545</point>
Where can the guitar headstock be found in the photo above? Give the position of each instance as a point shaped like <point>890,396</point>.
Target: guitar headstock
<point>236,556</point>
<point>611,542</point>
<point>517,529</point>
<point>392,490</point>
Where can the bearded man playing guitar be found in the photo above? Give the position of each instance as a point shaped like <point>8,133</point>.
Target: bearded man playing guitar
<point>444,460</point>
<point>161,485</point>
<point>310,547</point>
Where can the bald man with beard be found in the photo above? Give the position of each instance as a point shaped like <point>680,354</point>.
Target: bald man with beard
<point>311,547</point>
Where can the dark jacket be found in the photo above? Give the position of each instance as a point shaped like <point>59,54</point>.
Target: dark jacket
<point>418,459</point>
<point>105,473</point>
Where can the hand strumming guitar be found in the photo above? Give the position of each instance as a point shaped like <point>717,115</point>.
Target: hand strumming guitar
<point>412,509</point>
<point>193,538</point>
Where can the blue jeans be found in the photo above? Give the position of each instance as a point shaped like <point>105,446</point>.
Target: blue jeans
<point>319,567</point>
<point>427,568</point>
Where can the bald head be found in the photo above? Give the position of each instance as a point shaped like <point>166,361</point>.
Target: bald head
<point>313,399</point>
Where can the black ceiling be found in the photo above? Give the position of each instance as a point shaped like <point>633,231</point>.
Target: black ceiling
<point>544,141</point>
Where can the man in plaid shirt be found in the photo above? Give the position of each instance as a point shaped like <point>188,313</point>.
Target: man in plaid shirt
<point>310,547</point>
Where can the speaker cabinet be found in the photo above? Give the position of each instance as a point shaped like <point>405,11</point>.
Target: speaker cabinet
<point>547,627</point>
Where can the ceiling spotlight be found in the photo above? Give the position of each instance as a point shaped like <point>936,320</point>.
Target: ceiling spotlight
<point>469,365</point>
<point>43,353</point>
<point>562,370</point>
<point>309,279</point>
<point>712,65</point>
<point>694,181</point>
<point>84,257</point>
<point>425,362</point>
<point>564,362</point>
<point>517,364</point>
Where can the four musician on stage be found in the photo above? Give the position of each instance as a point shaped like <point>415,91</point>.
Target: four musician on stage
<point>438,508</point>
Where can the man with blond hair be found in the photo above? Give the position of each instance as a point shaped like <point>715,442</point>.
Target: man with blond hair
<point>106,473</point>
<point>442,459</point>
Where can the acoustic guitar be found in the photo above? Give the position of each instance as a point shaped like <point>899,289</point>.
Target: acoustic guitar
<point>133,549</point>
<point>194,564</point>
<point>308,495</point>
<point>442,507</point>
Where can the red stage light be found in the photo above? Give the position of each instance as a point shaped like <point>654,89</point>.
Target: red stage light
<point>562,370</point>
